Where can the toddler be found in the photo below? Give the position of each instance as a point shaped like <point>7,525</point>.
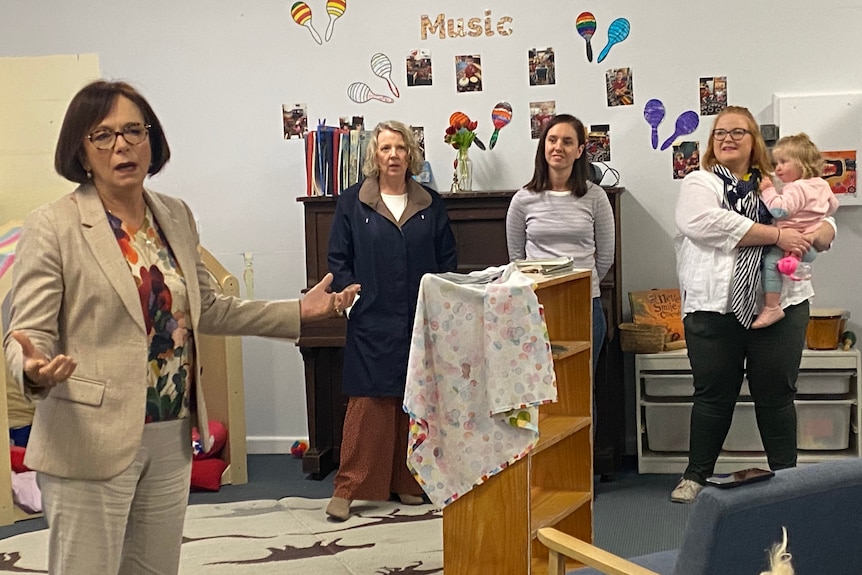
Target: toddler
<point>803,202</point>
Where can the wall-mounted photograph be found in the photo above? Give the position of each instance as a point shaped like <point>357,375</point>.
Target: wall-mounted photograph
<point>686,159</point>
<point>295,119</point>
<point>713,95</point>
<point>468,73</point>
<point>419,68</point>
<point>541,65</point>
<point>540,114</point>
<point>619,87</point>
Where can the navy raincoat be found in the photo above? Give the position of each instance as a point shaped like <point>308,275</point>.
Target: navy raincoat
<point>388,259</point>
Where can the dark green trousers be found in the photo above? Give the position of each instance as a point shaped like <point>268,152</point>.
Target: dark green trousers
<point>721,351</point>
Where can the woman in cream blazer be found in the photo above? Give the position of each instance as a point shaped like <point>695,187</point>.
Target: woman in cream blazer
<point>84,333</point>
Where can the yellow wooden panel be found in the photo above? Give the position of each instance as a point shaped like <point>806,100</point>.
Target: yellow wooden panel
<point>487,530</point>
<point>34,94</point>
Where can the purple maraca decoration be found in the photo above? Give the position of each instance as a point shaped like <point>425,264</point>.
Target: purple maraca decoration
<point>654,114</point>
<point>686,123</point>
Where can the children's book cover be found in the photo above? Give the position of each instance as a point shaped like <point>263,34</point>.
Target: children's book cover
<point>840,171</point>
<point>659,307</point>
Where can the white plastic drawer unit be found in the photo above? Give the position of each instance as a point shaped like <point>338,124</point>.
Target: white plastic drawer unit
<point>818,382</point>
<point>828,410</point>
<point>821,425</point>
<point>669,375</point>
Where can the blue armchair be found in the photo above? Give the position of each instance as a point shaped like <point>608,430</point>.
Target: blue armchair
<point>730,531</point>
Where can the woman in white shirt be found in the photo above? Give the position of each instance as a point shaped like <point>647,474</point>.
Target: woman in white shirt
<point>723,230</point>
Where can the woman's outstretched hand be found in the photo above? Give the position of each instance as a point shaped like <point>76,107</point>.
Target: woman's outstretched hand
<point>42,372</point>
<point>320,303</point>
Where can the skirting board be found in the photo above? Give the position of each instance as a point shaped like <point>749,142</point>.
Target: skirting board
<point>264,445</point>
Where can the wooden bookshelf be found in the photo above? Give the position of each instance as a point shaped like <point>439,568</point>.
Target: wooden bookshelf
<point>492,528</point>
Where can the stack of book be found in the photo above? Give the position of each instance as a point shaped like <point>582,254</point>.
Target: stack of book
<point>333,159</point>
<point>546,266</point>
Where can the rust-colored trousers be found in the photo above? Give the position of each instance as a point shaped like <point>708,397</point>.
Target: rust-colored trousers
<point>374,451</point>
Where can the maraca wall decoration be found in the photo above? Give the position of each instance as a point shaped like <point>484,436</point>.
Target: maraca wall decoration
<point>686,123</point>
<point>460,119</point>
<point>501,115</point>
<point>381,66</point>
<point>335,9</point>
<point>654,114</point>
<point>585,24</point>
<point>360,92</point>
<point>301,14</point>
<point>617,32</point>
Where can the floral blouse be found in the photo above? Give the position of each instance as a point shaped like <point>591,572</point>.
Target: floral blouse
<point>165,305</point>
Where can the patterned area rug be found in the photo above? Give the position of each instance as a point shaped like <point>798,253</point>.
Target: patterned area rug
<point>288,536</point>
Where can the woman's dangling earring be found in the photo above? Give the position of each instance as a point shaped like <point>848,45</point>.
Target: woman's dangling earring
<point>89,175</point>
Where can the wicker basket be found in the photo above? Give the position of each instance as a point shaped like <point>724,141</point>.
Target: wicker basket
<point>642,338</point>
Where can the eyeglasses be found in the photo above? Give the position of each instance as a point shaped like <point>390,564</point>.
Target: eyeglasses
<point>133,134</point>
<point>736,134</point>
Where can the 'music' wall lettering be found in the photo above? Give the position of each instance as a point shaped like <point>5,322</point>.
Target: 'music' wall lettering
<point>455,28</point>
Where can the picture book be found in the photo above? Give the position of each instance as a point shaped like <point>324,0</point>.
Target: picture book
<point>659,307</point>
<point>840,171</point>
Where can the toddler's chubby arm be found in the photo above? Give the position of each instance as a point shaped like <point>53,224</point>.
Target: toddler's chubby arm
<point>781,205</point>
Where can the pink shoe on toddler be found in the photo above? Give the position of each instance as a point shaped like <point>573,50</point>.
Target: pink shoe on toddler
<point>767,317</point>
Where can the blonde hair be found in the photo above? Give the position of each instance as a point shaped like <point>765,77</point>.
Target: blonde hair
<point>779,558</point>
<point>414,155</point>
<point>801,150</point>
<point>759,155</point>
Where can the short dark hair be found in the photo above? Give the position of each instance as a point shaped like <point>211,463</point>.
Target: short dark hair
<point>581,169</point>
<point>89,106</point>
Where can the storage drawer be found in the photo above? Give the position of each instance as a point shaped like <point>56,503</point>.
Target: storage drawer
<point>821,425</point>
<point>667,427</point>
<point>808,383</point>
<point>668,384</point>
<point>743,434</point>
<point>824,382</point>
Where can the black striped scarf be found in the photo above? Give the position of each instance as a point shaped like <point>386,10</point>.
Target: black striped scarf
<point>740,195</point>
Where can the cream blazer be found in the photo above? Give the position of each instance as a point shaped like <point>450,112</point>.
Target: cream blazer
<point>73,293</point>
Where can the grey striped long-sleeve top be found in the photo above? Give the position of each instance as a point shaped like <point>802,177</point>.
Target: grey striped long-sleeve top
<point>552,224</point>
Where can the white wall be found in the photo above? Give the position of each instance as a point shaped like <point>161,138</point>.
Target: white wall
<point>217,73</point>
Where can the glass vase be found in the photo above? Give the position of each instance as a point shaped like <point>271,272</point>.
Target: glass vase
<point>464,171</point>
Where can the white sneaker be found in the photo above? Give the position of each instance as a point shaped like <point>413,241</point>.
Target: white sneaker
<point>686,491</point>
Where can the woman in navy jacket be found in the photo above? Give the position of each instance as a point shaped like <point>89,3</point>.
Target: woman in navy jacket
<point>387,232</point>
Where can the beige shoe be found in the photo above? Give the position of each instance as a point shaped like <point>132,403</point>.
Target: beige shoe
<point>339,508</point>
<point>769,316</point>
<point>408,499</point>
<point>685,491</point>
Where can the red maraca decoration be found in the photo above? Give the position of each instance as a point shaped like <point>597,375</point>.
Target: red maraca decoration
<point>501,115</point>
<point>462,120</point>
<point>301,14</point>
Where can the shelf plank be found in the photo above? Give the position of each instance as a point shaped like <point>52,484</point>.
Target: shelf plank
<point>550,506</point>
<point>563,349</point>
<point>555,428</point>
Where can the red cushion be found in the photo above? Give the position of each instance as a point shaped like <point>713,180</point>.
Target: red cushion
<point>17,454</point>
<point>219,435</point>
<point>206,474</point>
